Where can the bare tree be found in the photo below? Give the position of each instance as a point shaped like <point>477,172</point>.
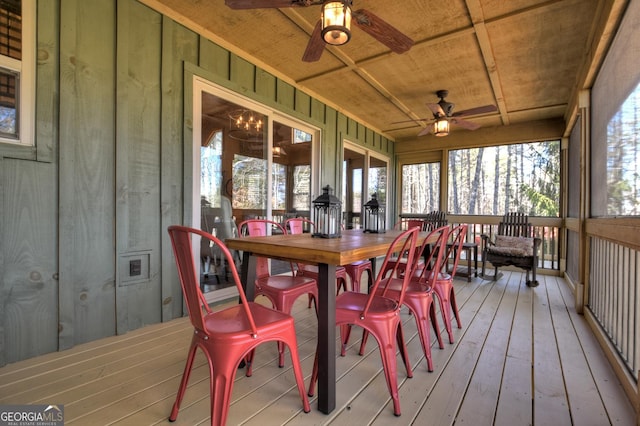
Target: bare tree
<point>476,182</point>
<point>453,160</point>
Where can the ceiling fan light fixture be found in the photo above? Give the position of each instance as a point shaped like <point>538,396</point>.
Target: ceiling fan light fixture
<point>336,22</point>
<point>441,127</point>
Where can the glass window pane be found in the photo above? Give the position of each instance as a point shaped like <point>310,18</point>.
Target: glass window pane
<point>356,184</point>
<point>301,187</point>
<point>623,159</point>
<point>377,179</point>
<point>300,136</point>
<point>8,104</point>
<point>279,190</point>
<point>11,28</point>
<point>499,179</point>
<point>211,170</point>
<point>249,182</point>
<point>420,187</point>
<point>292,162</point>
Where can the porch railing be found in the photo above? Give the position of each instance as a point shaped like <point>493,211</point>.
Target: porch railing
<point>614,301</point>
<point>547,229</point>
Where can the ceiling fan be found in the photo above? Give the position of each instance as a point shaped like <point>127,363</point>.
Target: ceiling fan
<point>376,27</point>
<point>443,115</point>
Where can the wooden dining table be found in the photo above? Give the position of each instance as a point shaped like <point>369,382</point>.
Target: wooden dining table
<point>327,254</point>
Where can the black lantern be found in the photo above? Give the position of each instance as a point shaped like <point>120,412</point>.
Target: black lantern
<point>326,214</point>
<point>374,216</point>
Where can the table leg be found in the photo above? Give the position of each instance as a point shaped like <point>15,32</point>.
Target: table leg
<point>475,258</point>
<point>326,338</point>
<point>468,254</point>
<point>248,275</point>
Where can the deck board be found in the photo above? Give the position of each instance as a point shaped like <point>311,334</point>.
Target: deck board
<point>523,356</point>
<point>551,405</point>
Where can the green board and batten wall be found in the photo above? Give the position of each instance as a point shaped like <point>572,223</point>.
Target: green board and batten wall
<point>109,170</point>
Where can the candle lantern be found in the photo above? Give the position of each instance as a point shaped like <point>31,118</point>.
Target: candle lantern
<point>374,216</point>
<point>326,214</point>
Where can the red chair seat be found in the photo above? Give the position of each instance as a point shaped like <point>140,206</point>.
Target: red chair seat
<point>311,271</point>
<point>351,301</point>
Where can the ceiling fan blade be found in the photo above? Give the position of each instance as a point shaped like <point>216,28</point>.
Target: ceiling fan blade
<point>426,131</point>
<point>465,124</point>
<point>436,109</point>
<point>475,111</point>
<point>315,47</point>
<point>382,31</point>
<point>412,121</point>
<point>266,4</point>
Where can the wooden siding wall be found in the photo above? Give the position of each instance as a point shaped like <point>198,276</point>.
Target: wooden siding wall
<point>108,172</point>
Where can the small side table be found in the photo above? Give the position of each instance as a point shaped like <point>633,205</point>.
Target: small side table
<point>471,271</point>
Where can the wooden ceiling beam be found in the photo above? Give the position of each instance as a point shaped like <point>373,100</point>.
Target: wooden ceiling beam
<point>482,36</point>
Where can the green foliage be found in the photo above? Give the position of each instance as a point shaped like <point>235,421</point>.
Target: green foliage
<point>542,204</point>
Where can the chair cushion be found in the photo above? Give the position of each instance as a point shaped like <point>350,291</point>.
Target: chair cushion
<point>512,246</point>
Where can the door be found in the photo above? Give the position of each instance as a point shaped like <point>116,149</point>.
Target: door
<point>364,173</point>
<point>249,162</point>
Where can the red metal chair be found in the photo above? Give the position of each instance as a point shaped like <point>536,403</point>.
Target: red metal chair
<point>355,271</point>
<point>410,223</point>
<point>281,290</point>
<point>296,225</point>
<point>228,336</point>
<point>443,285</point>
<point>419,294</point>
<point>399,257</point>
<point>379,314</point>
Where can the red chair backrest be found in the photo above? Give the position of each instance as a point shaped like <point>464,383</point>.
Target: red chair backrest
<point>410,223</point>
<point>437,254</point>
<point>403,243</point>
<point>181,241</point>
<point>459,234</point>
<point>296,225</point>
<point>258,228</point>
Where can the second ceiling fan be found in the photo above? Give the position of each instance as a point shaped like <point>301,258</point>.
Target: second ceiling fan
<point>443,115</point>
<point>334,26</point>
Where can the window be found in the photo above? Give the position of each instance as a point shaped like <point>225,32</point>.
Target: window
<point>279,189</point>
<point>249,182</point>
<point>420,187</point>
<point>499,179</point>
<point>364,173</point>
<point>377,181</point>
<point>211,169</point>
<point>17,71</point>
<point>301,187</point>
<point>623,158</point>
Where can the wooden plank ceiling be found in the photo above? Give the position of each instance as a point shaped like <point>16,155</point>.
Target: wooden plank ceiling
<point>526,57</point>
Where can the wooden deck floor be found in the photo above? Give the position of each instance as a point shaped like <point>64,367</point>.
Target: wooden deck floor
<point>522,357</point>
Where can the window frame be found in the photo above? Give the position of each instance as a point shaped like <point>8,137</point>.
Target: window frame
<point>26,72</point>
